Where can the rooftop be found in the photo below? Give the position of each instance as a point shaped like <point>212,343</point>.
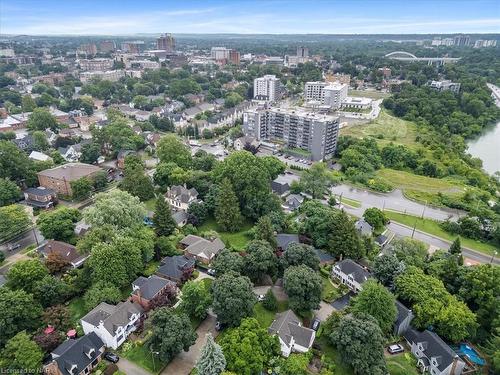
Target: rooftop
<point>70,171</point>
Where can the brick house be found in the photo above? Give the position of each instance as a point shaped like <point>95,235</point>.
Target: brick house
<point>59,178</point>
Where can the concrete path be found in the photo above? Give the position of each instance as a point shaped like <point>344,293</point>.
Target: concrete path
<point>130,368</point>
<point>184,362</point>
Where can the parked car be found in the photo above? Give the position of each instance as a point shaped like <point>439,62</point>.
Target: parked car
<point>315,324</point>
<point>211,272</point>
<point>219,326</point>
<point>260,297</point>
<point>395,349</point>
<point>112,357</point>
<point>13,246</point>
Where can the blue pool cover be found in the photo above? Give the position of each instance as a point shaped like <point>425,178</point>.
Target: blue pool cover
<point>471,354</point>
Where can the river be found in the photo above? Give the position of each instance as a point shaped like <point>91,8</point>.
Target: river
<point>487,148</point>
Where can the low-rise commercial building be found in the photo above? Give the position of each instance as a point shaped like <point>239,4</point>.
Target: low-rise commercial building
<point>446,86</point>
<point>59,178</point>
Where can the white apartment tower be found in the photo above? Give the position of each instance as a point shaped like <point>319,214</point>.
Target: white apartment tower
<point>330,94</point>
<point>219,53</point>
<point>267,88</point>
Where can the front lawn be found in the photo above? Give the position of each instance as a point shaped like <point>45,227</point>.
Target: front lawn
<point>432,227</point>
<point>333,355</point>
<point>402,364</point>
<point>142,356</point>
<point>266,317</point>
<point>236,240</point>
<point>329,293</point>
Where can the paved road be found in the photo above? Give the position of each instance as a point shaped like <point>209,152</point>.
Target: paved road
<point>394,200</point>
<point>130,368</point>
<point>184,362</point>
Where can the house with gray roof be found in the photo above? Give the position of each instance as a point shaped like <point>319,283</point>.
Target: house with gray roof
<point>433,355</point>
<point>292,202</point>
<point>180,197</point>
<point>201,249</point>
<point>293,337</point>
<point>113,323</point>
<point>281,184</point>
<point>350,273</point>
<point>40,197</point>
<point>363,227</point>
<point>180,218</point>
<point>176,268</point>
<point>76,356</point>
<point>145,289</point>
<point>403,320</point>
<point>65,251</point>
<point>285,239</point>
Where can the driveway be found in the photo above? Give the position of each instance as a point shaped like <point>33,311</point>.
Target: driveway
<point>184,362</point>
<point>130,368</point>
<point>325,309</point>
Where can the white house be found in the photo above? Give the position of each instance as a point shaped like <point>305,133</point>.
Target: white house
<point>180,197</point>
<point>351,274</point>
<point>113,323</point>
<point>292,336</point>
<point>39,156</point>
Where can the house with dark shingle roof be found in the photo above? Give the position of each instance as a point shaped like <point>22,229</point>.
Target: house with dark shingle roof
<point>292,202</point>
<point>403,320</point>
<point>65,251</point>
<point>40,197</point>
<point>144,289</point>
<point>351,274</point>
<point>200,248</point>
<point>179,197</point>
<point>293,337</point>
<point>176,268</point>
<point>76,357</point>
<point>363,227</point>
<point>113,323</point>
<point>433,355</point>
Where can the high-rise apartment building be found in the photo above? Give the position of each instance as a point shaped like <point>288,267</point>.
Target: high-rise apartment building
<point>107,46</point>
<point>267,88</point>
<point>165,42</point>
<point>330,94</point>
<point>462,40</point>
<point>302,52</point>
<point>310,132</point>
<point>88,49</point>
<point>219,53</point>
<point>234,57</point>
<point>136,46</point>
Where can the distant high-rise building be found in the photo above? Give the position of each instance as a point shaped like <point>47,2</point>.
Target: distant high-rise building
<point>316,134</point>
<point>485,43</point>
<point>107,46</point>
<point>302,52</point>
<point>88,49</point>
<point>462,40</point>
<point>330,94</point>
<point>267,88</point>
<point>165,42</point>
<point>234,57</point>
<point>219,53</point>
<point>133,47</point>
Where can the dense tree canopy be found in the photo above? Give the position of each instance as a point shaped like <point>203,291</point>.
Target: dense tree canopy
<point>59,224</point>
<point>303,287</point>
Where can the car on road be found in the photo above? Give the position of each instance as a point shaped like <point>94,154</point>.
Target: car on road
<point>260,297</point>
<point>315,324</point>
<point>211,272</point>
<point>13,246</point>
<point>111,357</point>
<point>395,349</point>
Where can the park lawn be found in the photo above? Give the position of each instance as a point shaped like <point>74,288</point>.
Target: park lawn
<point>401,365</point>
<point>385,129</point>
<point>333,355</point>
<point>432,227</point>
<point>237,240</point>
<point>142,356</point>
<point>369,94</point>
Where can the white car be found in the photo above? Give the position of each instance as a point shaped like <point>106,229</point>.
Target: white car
<point>395,349</point>
<point>260,297</point>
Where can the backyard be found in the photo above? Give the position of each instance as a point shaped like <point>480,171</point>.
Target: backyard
<point>402,364</point>
<point>236,240</point>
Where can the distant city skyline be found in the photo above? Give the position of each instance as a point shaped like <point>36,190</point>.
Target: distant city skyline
<point>124,17</point>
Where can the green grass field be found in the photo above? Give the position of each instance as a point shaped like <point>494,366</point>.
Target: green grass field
<point>369,94</point>
<point>142,356</point>
<point>329,293</point>
<point>331,353</point>
<point>350,202</point>
<point>413,182</point>
<point>401,365</point>
<point>77,309</point>
<point>432,227</point>
<point>385,128</point>
<point>237,240</point>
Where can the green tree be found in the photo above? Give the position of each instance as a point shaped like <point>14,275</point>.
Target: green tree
<point>211,360</point>
<point>21,354</point>
<point>297,254</point>
<point>274,166</point>
<point>226,261</point>
<point>18,312</point>
<point>90,153</point>
<point>233,298</point>
<point>227,208</point>
<point>14,220</point>
<point>196,299</point>
<point>81,188</point>
<point>360,343</point>
<point>101,292</point>
<point>28,104</point>
<point>40,142</point>
<point>456,247</point>
<point>375,300</point>
<point>25,274</point>
<point>344,239</point>
<point>170,149</point>
<point>42,119</point>
<point>15,165</point>
<point>264,230</point>
<point>303,287</point>
<point>411,252</point>
<point>270,302</point>
<point>260,260</point>
<point>164,224</point>
<point>171,333</point>
<point>375,217</point>
<point>117,208</point>
<point>248,348</point>
<point>9,192</point>
<point>135,181</point>
<point>386,268</point>
<point>315,180</point>
<point>59,224</point>
<point>51,291</point>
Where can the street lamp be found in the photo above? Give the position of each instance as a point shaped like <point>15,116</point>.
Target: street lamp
<point>493,256</point>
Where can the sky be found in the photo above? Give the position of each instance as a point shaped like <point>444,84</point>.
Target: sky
<point>125,17</point>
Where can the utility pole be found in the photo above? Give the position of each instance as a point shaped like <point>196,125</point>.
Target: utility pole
<point>493,256</point>
<point>414,226</point>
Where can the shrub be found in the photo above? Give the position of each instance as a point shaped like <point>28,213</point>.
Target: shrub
<point>270,303</point>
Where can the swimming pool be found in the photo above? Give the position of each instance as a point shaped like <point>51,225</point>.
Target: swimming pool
<point>471,354</point>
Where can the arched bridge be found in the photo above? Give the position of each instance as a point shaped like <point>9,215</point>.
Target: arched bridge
<point>406,56</point>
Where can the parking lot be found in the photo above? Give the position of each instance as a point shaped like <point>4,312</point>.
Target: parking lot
<point>289,160</point>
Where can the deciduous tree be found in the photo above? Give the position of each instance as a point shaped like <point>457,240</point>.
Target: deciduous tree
<point>297,254</point>
<point>170,149</point>
<point>260,260</point>
<point>303,287</point>
<point>59,224</point>
<point>21,354</point>
<point>25,274</point>
<point>386,268</point>
<point>226,261</point>
<point>196,299</point>
<point>101,292</point>
<point>9,192</point>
